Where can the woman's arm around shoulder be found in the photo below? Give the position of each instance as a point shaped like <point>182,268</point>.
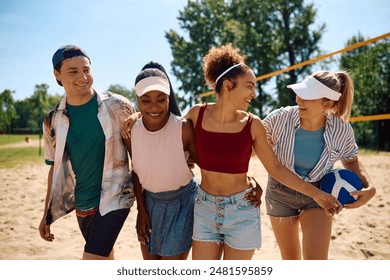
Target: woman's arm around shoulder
<point>128,124</point>
<point>188,137</point>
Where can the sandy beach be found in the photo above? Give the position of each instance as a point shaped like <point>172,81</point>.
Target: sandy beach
<point>358,234</point>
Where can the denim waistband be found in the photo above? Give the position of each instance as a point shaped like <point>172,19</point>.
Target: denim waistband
<point>170,195</point>
<point>229,199</point>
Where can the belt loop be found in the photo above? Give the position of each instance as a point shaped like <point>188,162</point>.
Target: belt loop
<point>203,194</point>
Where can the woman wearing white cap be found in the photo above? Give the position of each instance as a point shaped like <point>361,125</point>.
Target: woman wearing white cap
<point>308,139</point>
<point>164,186</point>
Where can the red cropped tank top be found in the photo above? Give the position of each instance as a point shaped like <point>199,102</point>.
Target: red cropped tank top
<point>222,151</point>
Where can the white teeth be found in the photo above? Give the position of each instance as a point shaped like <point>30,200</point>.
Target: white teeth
<point>154,115</point>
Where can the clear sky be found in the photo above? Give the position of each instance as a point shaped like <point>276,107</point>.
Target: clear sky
<point>120,36</point>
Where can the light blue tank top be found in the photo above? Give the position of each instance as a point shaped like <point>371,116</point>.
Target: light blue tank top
<point>308,148</point>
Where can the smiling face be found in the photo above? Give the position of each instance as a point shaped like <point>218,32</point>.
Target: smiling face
<point>153,106</point>
<point>244,90</point>
<point>76,77</point>
<point>312,110</point>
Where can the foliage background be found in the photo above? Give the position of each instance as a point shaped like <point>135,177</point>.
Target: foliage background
<point>273,34</point>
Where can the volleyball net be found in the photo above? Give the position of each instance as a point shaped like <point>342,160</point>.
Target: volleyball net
<point>319,58</point>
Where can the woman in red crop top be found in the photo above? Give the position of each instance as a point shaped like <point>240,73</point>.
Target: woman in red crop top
<point>225,136</point>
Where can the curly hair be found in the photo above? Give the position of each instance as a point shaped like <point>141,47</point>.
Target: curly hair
<point>217,60</point>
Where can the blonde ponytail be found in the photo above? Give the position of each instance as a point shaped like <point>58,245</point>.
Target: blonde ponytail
<point>339,81</point>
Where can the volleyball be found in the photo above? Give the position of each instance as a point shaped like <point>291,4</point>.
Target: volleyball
<point>339,183</point>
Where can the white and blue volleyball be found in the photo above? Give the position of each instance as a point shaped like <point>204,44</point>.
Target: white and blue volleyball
<point>339,183</point>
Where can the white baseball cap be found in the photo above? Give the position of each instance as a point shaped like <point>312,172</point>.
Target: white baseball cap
<point>311,88</point>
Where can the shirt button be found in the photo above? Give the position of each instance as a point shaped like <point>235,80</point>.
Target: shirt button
<point>220,215</point>
<point>219,200</point>
<point>220,208</point>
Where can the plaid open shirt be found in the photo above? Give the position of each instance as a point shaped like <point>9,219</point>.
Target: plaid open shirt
<point>117,188</point>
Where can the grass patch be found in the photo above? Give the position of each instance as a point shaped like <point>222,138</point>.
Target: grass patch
<point>15,138</point>
<point>12,157</point>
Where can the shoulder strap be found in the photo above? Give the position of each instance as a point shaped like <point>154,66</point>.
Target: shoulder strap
<point>250,119</point>
<point>200,116</point>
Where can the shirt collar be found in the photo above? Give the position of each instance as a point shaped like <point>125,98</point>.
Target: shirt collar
<point>101,96</point>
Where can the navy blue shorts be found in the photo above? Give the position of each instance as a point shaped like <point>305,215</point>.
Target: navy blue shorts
<point>101,232</point>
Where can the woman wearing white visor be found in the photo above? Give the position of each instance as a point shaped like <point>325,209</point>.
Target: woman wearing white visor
<point>308,139</point>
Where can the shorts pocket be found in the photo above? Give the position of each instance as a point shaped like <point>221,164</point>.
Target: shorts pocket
<point>243,205</point>
<point>273,184</point>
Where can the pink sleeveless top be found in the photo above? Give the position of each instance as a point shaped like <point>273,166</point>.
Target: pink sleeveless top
<point>158,157</point>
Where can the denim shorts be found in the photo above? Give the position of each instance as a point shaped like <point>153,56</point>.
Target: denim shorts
<point>101,232</point>
<point>172,218</point>
<point>227,219</point>
<point>282,201</point>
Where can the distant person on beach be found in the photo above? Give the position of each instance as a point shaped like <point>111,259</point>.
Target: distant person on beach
<point>89,167</point>
<point>308,139</point>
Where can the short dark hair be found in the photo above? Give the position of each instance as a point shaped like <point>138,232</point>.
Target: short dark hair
<point>64,52</point>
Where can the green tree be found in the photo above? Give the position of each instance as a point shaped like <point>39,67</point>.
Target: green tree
<point>23,111</point>
<point>203,21</point>
<point>369,67</point>
<point>7,111</point>
<point>53,100</point>
<point>40,105</point>
<point>31,110</point>
<point>297,40</point>
<point>273,34</point>
<point>122,90</point>
<point>254,33</point>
